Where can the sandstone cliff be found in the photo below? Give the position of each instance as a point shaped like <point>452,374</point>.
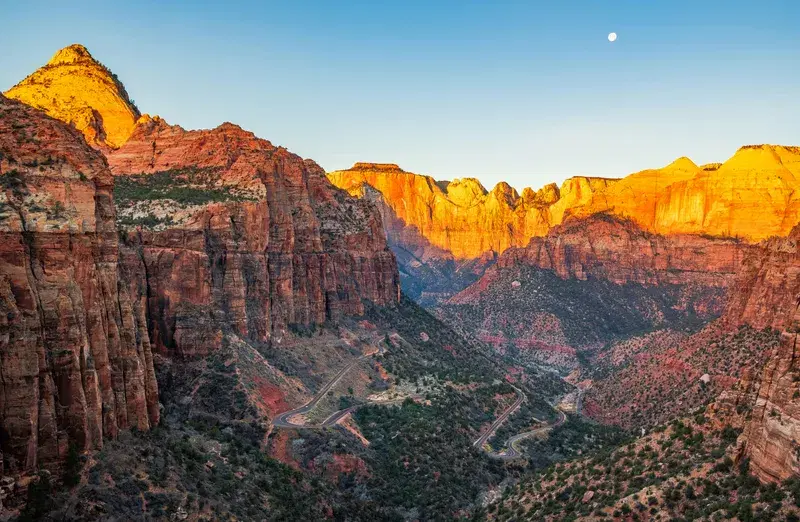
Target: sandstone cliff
<point>228,232</point>
<point>766,295</point>
<point>768,284</point>
<point>77,89</point>
<point>754,195</point>
<point>75,358</point>
<point>770,439</point>
<point>592,281</point>
<point>606,247</point>
<point>461,217</point>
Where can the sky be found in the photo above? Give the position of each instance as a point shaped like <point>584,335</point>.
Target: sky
<point>523,92</point>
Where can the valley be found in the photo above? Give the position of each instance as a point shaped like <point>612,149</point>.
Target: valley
<point>203,325</point>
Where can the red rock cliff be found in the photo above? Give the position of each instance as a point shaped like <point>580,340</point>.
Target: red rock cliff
<point>767,294</point>
<point>768,284</point>
<point>74,357</point>
<point>606,247</point>
<point>770,439</point>
<point>267,243</point>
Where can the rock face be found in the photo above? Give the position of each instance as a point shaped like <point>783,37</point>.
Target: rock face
<point>606,247</point>
<point>767,293</point>
<point>592,281</point>
<point>202,238</point>
<point>753,196</point>
<point>227,232</point>
<point>77,89</point>
<point>768,284</point>
<point>75,357</point>
<point>461,217</point>
<point>770,439</point>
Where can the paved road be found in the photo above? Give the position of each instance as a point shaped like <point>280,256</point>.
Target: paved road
<point>500,420</point>
<point>510,449</point>
<point>282,420</point>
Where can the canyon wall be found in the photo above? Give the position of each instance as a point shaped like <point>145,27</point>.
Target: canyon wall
<point>176,238</point>
<point>75,358</point>
<point>237,234</point>
<point>603,246</point>
<point>767,294</point>
<point>752,196</point>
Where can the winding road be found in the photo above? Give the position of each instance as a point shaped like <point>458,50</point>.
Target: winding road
<point>509,450</point>
<point>282,420</point>
<point>500,420</point>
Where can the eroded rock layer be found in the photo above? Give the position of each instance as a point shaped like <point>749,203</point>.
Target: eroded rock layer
<point>754,195</point>
<point>606,247</point>
<point>75,359</point>
<point>227,231</point>
<point>767,295</point>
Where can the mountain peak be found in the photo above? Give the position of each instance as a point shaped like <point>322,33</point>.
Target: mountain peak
<point>683,163</point>
<point>71,54</point>
<point>77,89</point>
<point>755,158</point>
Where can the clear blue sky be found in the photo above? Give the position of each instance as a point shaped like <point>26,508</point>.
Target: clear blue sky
<point>526,92</point>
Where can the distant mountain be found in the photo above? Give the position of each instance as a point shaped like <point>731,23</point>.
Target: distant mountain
<point>754,195</point>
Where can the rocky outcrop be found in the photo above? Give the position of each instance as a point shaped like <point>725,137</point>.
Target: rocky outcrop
<point>428,274</point>
<point>75,358</point>
<point>77,89</point>
<point>227,232</point>
<point>766,295</point>
<point>439,230</point>
<point>461,217</point>
<point>768,284</point>
<point>753,196</point>
<point>606,247</point>
<point>770,439</point>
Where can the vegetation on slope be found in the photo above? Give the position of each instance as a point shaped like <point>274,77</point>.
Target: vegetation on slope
<point>683,471</point>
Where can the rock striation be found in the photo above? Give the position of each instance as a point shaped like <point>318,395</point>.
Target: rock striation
<point>229,233</point>
<point>75,358</point>
<point>753,196</point>
<point>768,284</point>
<point>461,217</point>
<point>184,239</point>
<point>767,294</point>
<point>770,438</point>
<point>603,246</point>
<point>77,89</point>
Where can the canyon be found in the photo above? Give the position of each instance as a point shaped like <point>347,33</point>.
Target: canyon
<point>87,307</point>
<point>453,224</point>
<point>148,271</point>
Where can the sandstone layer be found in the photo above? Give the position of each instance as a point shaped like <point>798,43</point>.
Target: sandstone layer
<point>754,195</point>
<point>227,232</point>
<point>77,89</point>
<point>75,357</point>
<point>768,284</point>
<point>770,439</point>
<point>767,294</point>
<point>606,247</point>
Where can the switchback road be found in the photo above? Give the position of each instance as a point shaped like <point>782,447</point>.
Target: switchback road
<point>283,419</point>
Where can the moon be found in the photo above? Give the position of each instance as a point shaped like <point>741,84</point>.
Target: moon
<point>612,37</point>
